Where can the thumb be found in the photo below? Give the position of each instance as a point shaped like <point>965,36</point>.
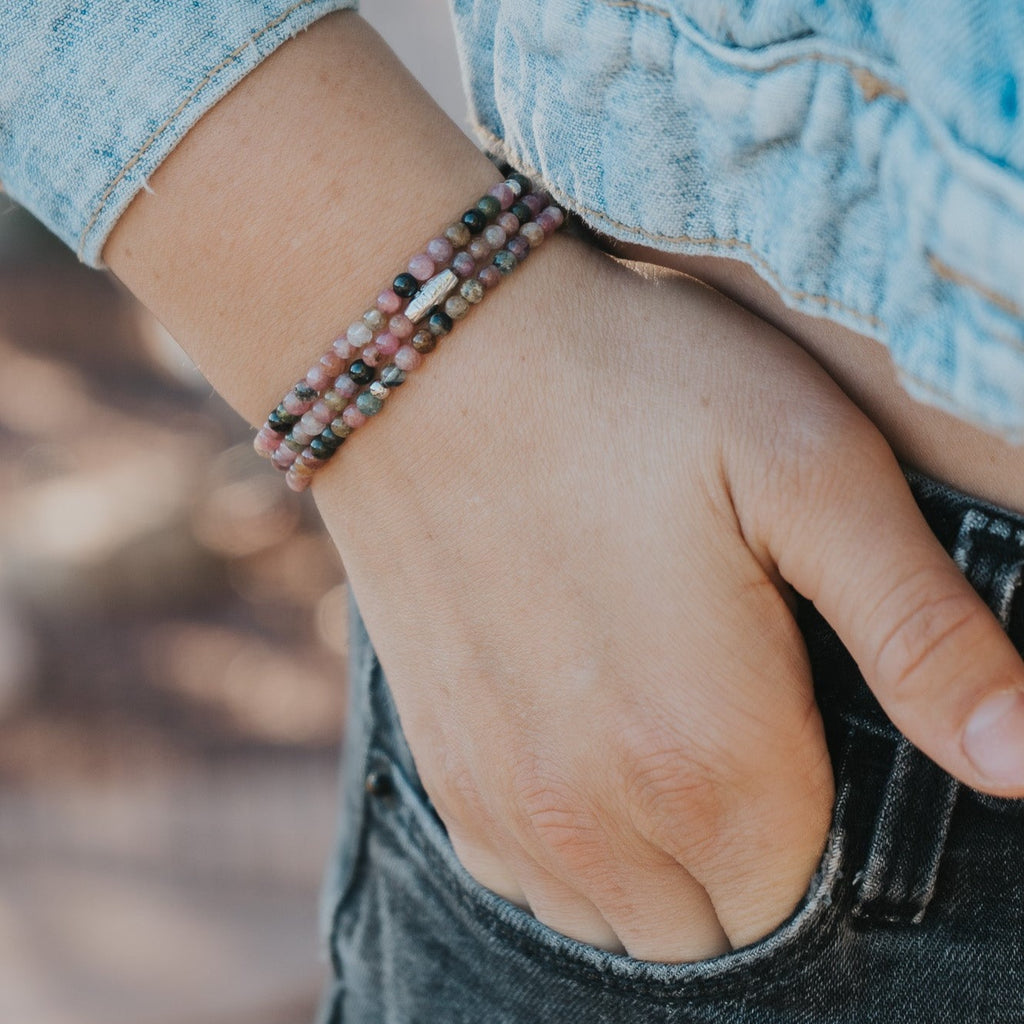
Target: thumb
<point>933,653</point>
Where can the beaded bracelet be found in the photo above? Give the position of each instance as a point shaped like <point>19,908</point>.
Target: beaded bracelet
<point>440,286</point>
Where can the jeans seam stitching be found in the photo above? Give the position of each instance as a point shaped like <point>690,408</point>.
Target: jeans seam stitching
<point>158,132</point>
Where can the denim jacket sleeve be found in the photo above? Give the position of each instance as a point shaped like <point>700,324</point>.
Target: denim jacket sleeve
<point>94,94</point>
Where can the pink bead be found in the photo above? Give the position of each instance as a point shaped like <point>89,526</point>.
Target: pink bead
<point>389,301</point>
<point>504,194</point>
<point>387,344</point>
<point>318,378</point>
<point>440,251</point>
<point>550,219</point>
<point>401,326</point>
<point>267,441</point>
<point>346,386</point>
<point>508,222</point>
<point>283,457</point>
<point>464,265</point>
<point>311,425</point>
<point>519,247</point>
<point>343,349</point>
<point>359,334</point>
<point>495,236</point>
<point>422,267</point>
<point>535,202</point>
<point>300,436</point>
<point>323,412</point>
<point>489,277</point>
<point>353,417</point>
<point>479,250</point>
<point>332,363</point>
<point>295,405</point>
<point>371,355</point>
<point>407,358</point>
<point>298,482</point>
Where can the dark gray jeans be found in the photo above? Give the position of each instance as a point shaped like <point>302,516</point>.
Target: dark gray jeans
<point>916,913</point>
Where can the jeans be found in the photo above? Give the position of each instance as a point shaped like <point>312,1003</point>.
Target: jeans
<point>916,911</point>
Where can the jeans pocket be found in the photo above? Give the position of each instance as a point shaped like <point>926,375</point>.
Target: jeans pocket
<point>452,950</point>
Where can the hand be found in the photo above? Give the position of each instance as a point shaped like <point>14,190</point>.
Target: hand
<point>584,529</point>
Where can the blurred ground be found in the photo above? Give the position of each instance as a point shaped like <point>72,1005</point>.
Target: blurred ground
<point>172,639</point>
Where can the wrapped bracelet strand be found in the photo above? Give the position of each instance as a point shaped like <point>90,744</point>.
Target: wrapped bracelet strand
<point>350,383</point>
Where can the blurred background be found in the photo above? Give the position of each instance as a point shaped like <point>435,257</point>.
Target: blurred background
<point>172,652</point>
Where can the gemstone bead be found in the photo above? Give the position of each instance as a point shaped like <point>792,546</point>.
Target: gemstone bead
<point>472,291</point>
<point>475,221</point>
<point>332,363</point>
<point>334,401</point>
<point>370,355</point>
<point>422,341</point>
<point>457,234</point>
<point>360,372</point>
<point>489,277</point>
<point>522,181</point>
<point>401,327</point>
<point>375,320</point>
<point>318,377</point>
<point>312,425</point>
<point>522,212</point>
<point>391,376</point>
<point>509,223</point>
<point>359,334</point>
<point>408,359</point>
<point>464,265</point>
<point>320,450</point>
<point>339,428</point>
<point>479,249</point>
<point>303,390</point>
<point>505,261</point>
<point>322,411</point>
<point>300,437</point>
<point>295,443</point>
<point>387,344</point>
<point>405,285</point>
<point>504,194</point>
<point>389,302</point>
<point>422,267</point>
<point>439,323</point>
<point>369,405</point>
<point>519,247</point>
<point>533,233</point>
<point>534,203</point>
<point>281,422</point>
<point>284,457</point>
<point>550,219</point>
<point>456,307</point>
<point>495,236</point>
<point>299,478</point>
<point>342,349</point>
<point>440,250</point>
<point>353,417</point>
<point>378,390</point>
<point>513,184</point>
<point>331,439</point>
<point>294,405</point>
<point>346,387</point>
<point>489,206</point>
<point>267,441</point>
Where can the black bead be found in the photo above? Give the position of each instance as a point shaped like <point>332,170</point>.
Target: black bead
<point>281,424</point>
<point>378,783</point>
<point>406,285</point>
<point>523,212</point>
<point>475,221</point>
<point>304,391</point>
<point>319,449</point>
<point>489,207</point>
<point>360,372</point>
<point>522,180</point>
<point>330,439</point>
<point>439,323</point>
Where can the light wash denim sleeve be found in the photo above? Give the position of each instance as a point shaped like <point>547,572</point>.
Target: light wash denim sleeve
<point>95,93</point>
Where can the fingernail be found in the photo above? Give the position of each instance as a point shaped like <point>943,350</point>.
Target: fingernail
<point>994,738</point>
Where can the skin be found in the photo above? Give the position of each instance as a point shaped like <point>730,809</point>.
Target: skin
<point>573,535</point>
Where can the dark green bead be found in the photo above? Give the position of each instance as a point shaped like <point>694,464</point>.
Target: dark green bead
<point>284,416</point>
<point>505,261</point>
<point>406,285</point>
<point>523,181</point>
<point>423,341</point>
<point>439,323</point>
<point>489,207</point>
<point>281,424</point>
<point>296,446</point>
<point>368,405</point>
<point>523,212</point>
<point>304,391</point>
<point>475,221</point>
<point>319,449</point>
<point>391,376</point>
<point>329,439</point>
<point>360,372</point>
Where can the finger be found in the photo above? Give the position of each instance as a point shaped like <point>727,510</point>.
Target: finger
<point>935,656</point>
<point>562,908</point>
